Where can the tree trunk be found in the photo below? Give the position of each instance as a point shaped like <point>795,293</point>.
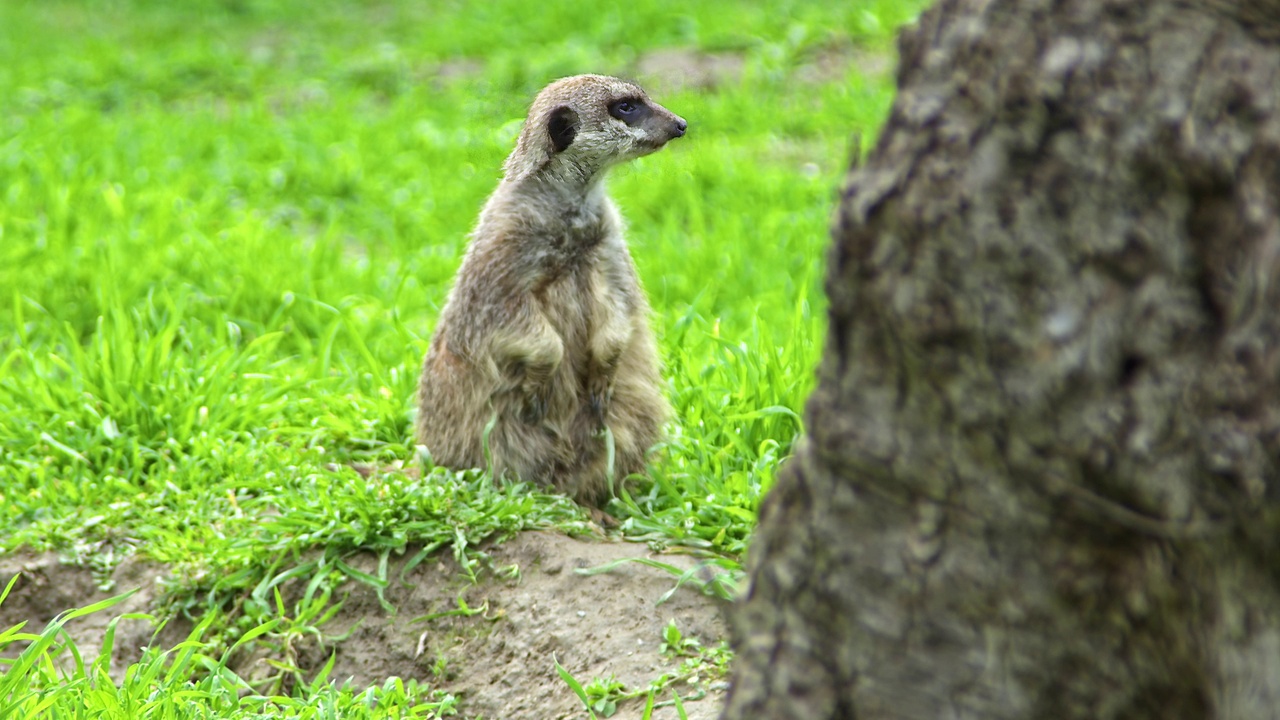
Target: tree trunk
<point>1042,474</point>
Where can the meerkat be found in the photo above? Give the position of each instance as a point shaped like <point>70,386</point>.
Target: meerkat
<point>544,340</point>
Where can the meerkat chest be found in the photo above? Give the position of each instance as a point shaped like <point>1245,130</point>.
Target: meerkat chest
<point>578,251</point>
<point>574,289</point>
<point>593,294</point>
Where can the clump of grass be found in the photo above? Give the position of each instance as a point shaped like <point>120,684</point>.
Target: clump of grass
<point>740,414</point>
<point>50,678</point>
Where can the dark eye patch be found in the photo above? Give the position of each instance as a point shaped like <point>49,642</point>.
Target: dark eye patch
<point>630,110</point>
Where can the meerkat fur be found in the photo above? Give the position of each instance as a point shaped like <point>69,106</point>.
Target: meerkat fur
<point>544,341</point>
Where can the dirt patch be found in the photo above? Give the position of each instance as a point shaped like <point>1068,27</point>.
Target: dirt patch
<point>833,62</point>
<point>668,70</point>
<point>48,587</point>
<point>499,661</point>
<point>671,69</point>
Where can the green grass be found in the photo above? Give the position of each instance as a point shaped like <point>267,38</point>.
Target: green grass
<point>227,227</point>
<point>184,682</point>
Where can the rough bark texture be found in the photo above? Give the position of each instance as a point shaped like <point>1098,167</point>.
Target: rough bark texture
<point>1042,476</point>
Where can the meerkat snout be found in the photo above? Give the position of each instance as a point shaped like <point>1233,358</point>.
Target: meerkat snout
<point>658,124</point>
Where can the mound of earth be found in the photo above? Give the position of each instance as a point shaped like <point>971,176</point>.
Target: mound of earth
<point>499,661</point>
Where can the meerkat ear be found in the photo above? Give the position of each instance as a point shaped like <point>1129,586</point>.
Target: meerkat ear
<point>562,125</point>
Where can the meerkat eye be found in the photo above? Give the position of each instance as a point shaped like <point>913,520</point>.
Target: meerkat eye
<point>628,110</point>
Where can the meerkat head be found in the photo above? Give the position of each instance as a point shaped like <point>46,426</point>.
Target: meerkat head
<point>585,124</point>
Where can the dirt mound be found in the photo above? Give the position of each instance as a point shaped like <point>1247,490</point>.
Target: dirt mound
<point>48,587</point>
<point>498,661</point>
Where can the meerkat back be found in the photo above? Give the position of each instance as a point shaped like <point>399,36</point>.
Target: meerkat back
<point>543,352</point>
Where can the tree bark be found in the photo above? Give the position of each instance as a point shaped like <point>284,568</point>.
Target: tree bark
<point>1042,472</point>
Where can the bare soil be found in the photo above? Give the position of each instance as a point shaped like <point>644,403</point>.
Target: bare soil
<point>499,661</point>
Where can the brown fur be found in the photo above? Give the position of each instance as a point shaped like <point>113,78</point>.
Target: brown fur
<point>546,329</point>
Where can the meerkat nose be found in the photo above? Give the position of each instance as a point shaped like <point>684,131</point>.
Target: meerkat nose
<point>681,126</point>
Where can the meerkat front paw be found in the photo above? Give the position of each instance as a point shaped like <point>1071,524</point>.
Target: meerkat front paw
<point>530,387</point>
<point>612,333</point>
<point>600,395</point>
<point>533,408</point>
<point>600,384</point>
